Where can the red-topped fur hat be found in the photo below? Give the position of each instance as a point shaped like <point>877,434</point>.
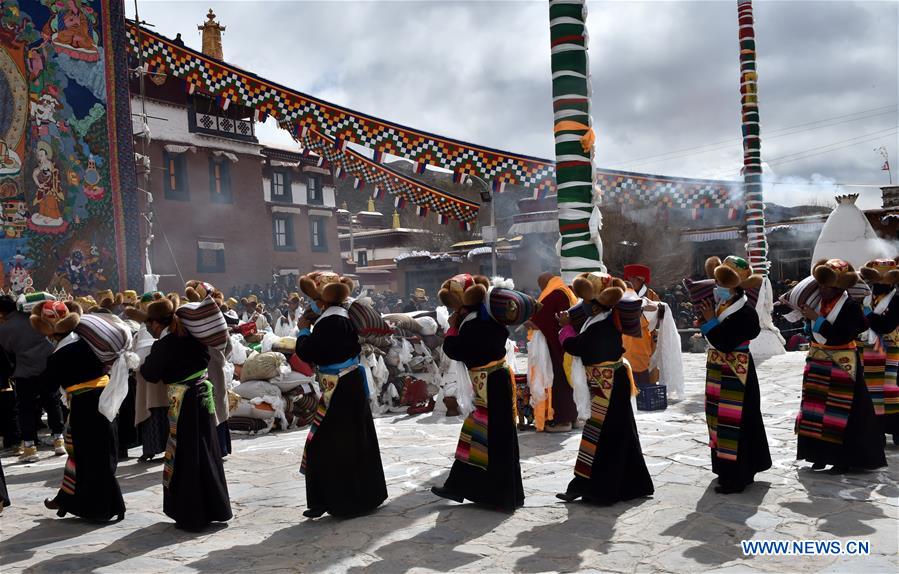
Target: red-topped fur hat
<point>885,271</point>
<point>834,273</point>
<point>600,287</point>
<point>55,317</point>
<point>326,286</point>
<point>463,290</point>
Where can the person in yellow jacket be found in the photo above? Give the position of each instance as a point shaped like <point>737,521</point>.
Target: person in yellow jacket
<point>638,350</point>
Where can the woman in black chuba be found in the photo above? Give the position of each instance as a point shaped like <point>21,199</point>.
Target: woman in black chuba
<point>487,469</point>
<point>89,487</point>
<point>194,489</point>
<point>732,399</point>
<point>610,465</point>
<point>836,424</point>
<point>342,460</point>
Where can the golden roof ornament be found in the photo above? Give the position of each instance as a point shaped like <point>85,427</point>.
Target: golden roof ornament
<point>212,36</point>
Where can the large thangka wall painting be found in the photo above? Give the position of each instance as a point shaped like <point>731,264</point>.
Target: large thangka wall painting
<point>66,157</point>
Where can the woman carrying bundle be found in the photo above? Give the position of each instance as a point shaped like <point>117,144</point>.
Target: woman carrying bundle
<point>151,403</point>
<point>487,469</point>
<point>732,399</point>
<point>342,459</point>
<point>610,465</point>
<point>195,492</point>
<point>89,487</point>
<point>881,356</point>
<point>836,423</point>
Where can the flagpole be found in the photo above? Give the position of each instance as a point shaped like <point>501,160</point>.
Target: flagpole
<point>886,162</point>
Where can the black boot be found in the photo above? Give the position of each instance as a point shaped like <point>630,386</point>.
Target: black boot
<point>314,513</point>
<point>567,496</point>
<point>446,493</point>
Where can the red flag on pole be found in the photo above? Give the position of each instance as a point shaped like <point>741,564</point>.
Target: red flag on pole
<point>886,166</point>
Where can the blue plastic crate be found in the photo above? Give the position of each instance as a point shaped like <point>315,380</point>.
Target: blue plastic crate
<point>652,398</point>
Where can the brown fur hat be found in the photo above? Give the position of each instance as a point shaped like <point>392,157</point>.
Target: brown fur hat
<point>107,300</point>
<point>326,286</point>
<point>600,287</point>
<point>55,317</point>
<point>834,273</point>
<point>130,298</point>
<point>733,272</point>
<point>884,271</point>
<point>139,313</point>
<point>161,309</point>
<point>463,290</point>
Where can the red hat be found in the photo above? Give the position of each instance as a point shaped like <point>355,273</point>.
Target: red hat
<point>635,270</point>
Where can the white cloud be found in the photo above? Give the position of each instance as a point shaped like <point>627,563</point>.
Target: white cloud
<point>665,74</point>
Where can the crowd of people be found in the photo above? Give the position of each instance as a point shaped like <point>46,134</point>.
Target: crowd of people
<point>592,345</point>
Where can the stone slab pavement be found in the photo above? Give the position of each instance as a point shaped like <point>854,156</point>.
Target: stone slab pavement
<point>684,527</point>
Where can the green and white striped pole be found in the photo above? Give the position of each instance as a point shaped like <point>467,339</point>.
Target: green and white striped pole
<point>579,216</point>
<point>753,200</point>
<point>769,342</point>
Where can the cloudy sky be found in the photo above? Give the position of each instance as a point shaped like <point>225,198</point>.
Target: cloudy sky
<point>665,77</point>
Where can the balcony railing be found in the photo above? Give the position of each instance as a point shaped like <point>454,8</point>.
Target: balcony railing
<point>206,123</point>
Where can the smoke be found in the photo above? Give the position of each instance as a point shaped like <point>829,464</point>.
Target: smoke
<point>817,190</point>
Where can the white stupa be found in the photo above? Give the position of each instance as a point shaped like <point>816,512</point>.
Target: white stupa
<point>848,235</point>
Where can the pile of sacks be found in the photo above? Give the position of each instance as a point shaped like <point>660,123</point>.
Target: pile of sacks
<point>400,352</point>
<point>272,388</point>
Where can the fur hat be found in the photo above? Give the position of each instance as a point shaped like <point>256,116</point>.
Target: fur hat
<point>139,312</point>
<point>834,273</point>
<point>733,272</point>
<point>231,303</point>
<point>107,300</point>
<point>55,317</point>
<point>28,301</point>
<point>129,298</point>
<point>87,303</point>
<point>884,271</point>
<point>161,309</point>
<point>293,298</point>
<point>600,287</point>
<point>463,290</point>
<point>249,299</point>
<point>326,286</point>
<point>196,291</point>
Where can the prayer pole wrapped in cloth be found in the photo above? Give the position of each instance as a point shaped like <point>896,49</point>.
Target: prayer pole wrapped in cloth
<point>769,342</point>
<point>579,218</point>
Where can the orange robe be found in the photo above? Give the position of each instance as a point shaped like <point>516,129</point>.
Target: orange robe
<point>638,350</point>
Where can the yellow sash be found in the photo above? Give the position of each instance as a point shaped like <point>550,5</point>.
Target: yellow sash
<point>98,383</point>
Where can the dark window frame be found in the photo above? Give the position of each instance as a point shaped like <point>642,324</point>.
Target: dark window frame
<point>287,196</point>
<point>219,266</point>
<point>314,182</point>
<point>289,237</point>
<point>362,258</point>
<point>323,235</point>
<point>225,195</point>
<point>181,190</point>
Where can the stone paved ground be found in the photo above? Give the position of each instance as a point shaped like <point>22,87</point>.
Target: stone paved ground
<point>685,527</point>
